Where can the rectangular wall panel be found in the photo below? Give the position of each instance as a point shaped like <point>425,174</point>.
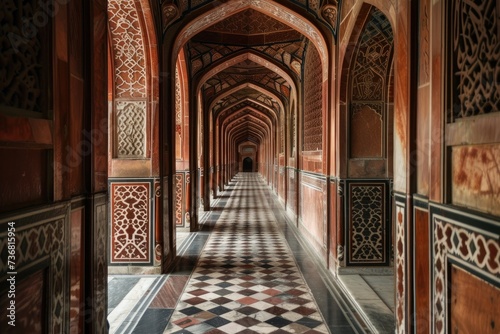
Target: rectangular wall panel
<point>334,240</point>
<point>312,204</point>
<point>23,176</point>
<point>97,247</point>
<point>400,259</point>
<point>368,223</point>
<point>470,311</point>
<point>40,239</point>
<point>291,203</point>
<point>470,242</point>
<point>180,200</point>
<point>422,267</point>
<point>131,119</point>
<point>131,221</point>
<point>77,251</point>
<point>476,177</point>
<point>30,311</point>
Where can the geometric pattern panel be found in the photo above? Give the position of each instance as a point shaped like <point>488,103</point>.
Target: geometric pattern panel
<point>131,129</point>
<point>249,22</point>
<point>474,45</point>
<point>100,262</point>
<point>203,53</point>
<point>367,217</point>
<point>399,264</point>
<point>179,199</point>
<point>290,54</point>
<point>371,62</point>
<point>41,234</point>
<point>370,68</point>
<point>21,79</point>
<point>131,230</point>
<point>424,42</point>
<point>246,71</point>
<point>471,243</point>
<point>313,101</point>
<point>282,134</point>
<point>128,49</point>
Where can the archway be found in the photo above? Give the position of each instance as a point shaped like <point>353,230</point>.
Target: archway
<point>133,99</point>
<point>366,161</point>
<point>247,164</point>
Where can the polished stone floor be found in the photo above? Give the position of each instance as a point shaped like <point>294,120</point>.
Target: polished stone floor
<point>245,271</point>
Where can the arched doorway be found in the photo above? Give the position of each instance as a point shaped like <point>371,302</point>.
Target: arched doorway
<point>248,164</point>
<point>367,126</point>
<point>134,167</point>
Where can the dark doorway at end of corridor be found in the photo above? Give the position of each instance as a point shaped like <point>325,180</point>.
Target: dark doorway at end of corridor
<point>248,164</point>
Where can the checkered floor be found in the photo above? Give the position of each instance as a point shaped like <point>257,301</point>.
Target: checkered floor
<point>246,280</point>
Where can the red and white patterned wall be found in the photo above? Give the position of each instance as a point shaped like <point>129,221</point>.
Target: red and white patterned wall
<point>131,222</point>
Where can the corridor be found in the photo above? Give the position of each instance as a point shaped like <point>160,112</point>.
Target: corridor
<point>244,272</point>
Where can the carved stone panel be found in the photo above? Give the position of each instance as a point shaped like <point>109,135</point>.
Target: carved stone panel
<point>100,261</point>
<point>131,129</point>
<point>131,228</point>
<point>424,43</point>
<point>367,230</point>
<point>399,265</point>
<point>313,101</point>
<point>179,199</point>
<point>128,49</point>
<point>372,59</point>
<point>475,54</point>
<point>23,79</point>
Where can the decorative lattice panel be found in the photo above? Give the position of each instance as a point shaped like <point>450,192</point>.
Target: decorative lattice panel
<point>369,87</point>
<point>372,59</point>
<point>131,222</point>
<point>313,110</point>
<point>131,129</point>
<point>128,49</point>
<point>475,44</point>
<point>21,72</point>
<point>100,261</point>
<point>179,199</point>
<point>367,230</point>
<point>292,131</point>
<point>400,267</point>
<point>424,42</point>
<point>178,101</point>
<point>282,133</point>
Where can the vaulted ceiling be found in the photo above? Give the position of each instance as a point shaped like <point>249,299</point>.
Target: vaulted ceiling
<point>247,67</point>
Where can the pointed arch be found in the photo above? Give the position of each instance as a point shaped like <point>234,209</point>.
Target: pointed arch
<point>270,8</point>
<point>133,140</point>
<point>248,85</point>
<point>249,55</point>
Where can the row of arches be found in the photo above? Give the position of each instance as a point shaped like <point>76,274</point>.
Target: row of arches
<point>314,109</point>
<point>374,122</point>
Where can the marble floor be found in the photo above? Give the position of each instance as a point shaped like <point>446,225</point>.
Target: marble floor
<point>244,271</point>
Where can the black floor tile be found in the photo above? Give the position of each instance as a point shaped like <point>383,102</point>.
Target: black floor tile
<point>153,321</point>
